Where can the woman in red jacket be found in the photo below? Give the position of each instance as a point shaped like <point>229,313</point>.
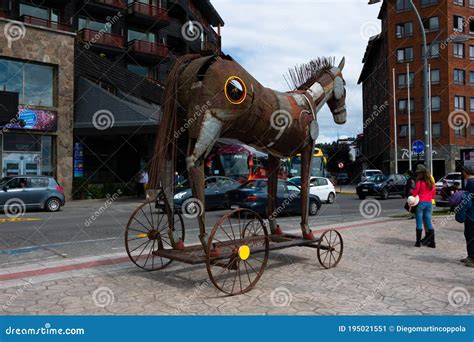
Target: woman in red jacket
<point>425,189</point>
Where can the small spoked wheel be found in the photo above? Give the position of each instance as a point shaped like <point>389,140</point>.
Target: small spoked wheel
<point>330,248</point>
<point>147,232</point>
<point>237,251</point>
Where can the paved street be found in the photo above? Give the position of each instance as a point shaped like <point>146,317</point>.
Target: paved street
<point>380,273</point>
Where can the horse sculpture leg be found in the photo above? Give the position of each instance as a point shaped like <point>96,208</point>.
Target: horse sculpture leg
<point>306,161</point>
<point>273,171</point>
<point>168,181</point>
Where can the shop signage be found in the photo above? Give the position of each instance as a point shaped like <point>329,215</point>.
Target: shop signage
<point>406,153</point>
<point>78,160</point>
<point>34,119</point>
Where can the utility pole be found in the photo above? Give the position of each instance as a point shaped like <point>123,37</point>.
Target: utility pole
<point>426,99</point>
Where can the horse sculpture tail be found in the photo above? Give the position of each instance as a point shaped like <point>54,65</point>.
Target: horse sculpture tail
<point>165,141</point>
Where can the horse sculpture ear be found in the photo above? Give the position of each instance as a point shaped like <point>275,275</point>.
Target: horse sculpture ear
<point>343,62</point>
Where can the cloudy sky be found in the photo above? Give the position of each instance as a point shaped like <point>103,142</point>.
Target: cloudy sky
<point>270,36</point>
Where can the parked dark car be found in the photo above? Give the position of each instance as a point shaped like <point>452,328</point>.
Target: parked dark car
<point>253,195</point>
<point>382,185</point>
<point>214,190</point>
<point>31,192</point>
<point>343,179</point>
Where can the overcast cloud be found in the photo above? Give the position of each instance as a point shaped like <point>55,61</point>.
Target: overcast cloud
<point>270,36</point>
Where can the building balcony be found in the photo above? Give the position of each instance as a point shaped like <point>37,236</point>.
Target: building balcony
<point>27,19</point>
<point>149,52</point>
<point>210,46</point>
<point>101,40</point>
<point>112,3</point>
<point>148,14</point>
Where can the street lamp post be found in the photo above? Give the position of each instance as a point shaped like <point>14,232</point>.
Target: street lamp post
<point>427,104</point>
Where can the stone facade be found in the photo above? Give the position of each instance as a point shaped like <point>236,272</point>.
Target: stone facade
<point>56,48</point>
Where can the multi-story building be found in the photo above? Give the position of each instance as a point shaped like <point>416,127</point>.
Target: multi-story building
<point>450,35</point>
<point>123,52</point>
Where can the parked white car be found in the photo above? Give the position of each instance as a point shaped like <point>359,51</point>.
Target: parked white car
<point>369,173</point>
<point>450,179</point>
<point>319,186</point>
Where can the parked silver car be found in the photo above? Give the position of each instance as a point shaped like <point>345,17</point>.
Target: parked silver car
<point>38,192</point>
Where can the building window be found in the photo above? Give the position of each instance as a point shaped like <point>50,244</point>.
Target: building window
<point>403,5</point>
<point>138,69</point>
<point>33,82</point>
<point>459,76</point>
<point>459,103</point>
<point>143,36</point>
<point>431,24</point>
<point>436,103</point>
<point>49,14</point>
<point>458,50</point>
<point>402,80</point>
<point>403,106</point>
<point>458,2</point>
<point>86,23</point>
<point>405,29</point>
<point>428,2</point>
<point>460,132</point>
<point>436,129</point>
<point>433,51</point>
<point>403,129</point>
<point>471,3</point>
<point>458,23</point>
<point>472,106</point>
<point>471,78</point>
<point>435,76</point>
<point>405,55</point>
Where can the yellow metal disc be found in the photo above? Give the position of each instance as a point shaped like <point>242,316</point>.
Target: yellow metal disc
<point>142,235</point>
<point>244,252</point>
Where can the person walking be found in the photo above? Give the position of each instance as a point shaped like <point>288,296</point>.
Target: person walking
<point>426,191</point>
<point>465,214</point>
<point>142,183</point>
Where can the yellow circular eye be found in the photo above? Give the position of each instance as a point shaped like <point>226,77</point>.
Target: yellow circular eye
<point>235,90</point>
<point>244,252</point>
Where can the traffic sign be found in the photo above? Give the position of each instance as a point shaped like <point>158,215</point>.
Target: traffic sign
<point>418,146</point>
<point>340,165</point>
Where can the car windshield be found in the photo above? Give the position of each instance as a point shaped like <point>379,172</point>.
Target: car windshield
<point>256,184</point>
<point>296,181</point>
<point>372,173</point>
<point>453,176</point>
<point>4,181</point>
<point>377,179</point>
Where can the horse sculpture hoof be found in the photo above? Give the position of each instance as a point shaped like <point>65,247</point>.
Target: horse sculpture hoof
<point>278,230</point>
<point>215,252</point>
<point>179,246</point>
<point>309,236</point>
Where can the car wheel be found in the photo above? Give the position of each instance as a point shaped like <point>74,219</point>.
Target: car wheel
<point>53,204</point>
<point>313,208</point>
<point>361,197</point>
<point>385,194</point>
<point>331,198</point>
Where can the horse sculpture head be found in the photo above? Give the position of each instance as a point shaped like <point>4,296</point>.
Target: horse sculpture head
<point>337,102</point>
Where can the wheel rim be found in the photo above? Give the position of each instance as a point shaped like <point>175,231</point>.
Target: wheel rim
<point>147,231</point>
<point>53,205</point>
<point>331,198</point>
<point>330,248</point>
<point>243,245</point>
<point>313,208</point>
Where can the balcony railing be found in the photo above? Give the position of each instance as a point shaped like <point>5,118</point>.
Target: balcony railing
<point>113,3</point>
<point>148,10</point>
<point>102,38</point>
<point>148,48</point>
<point>27,19</point>
<point>210,46</point>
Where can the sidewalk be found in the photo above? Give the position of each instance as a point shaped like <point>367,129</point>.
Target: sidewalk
<point>346,189</point>
<point>381,273</point>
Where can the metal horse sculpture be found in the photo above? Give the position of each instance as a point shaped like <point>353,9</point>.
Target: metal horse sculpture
<point>219,98</point>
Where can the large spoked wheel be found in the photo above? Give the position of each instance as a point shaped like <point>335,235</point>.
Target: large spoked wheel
<point>146,232</point>
<point>237,251</point>
<point>330,249</point>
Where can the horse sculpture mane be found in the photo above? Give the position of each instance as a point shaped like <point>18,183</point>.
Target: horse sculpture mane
<point>303,76</point>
